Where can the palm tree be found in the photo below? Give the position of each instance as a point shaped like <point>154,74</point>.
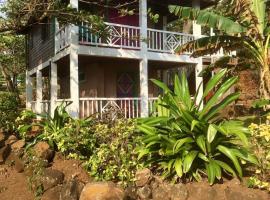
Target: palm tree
<point>244,28</point>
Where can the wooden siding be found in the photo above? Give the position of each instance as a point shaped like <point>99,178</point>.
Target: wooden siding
<point>39,50</point>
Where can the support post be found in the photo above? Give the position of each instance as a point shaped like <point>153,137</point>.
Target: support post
<point>39,92</point>
<point>53,87</point>
<point>74,67</point>
<point>144,60</point>
<point>29,91</point>
<point>197,31</point>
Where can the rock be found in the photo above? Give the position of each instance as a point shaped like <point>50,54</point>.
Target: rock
<point>71,190</point>
<point>2,139</point>
<point>18,145</point>
<point>160,193</point>
<point>42,150</point>
<point>52,194</point>
<point>235,181</point>
<point>4,152</point>
<point>143,177</point>
<point>233,194</point>
<point>203,192</point>
<point>11,139</point>
<point>144,192</point>
<point>101,191</point>
<point>178,192</point>
<point>16,161</point>
<point>131,193</point>
<point>51,178</point>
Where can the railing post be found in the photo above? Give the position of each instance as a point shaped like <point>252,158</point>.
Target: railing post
<point>39,91</point>
<point>74,67</point>
<point>144,60</point>
<point>29,91</point>
<point>53,87</point>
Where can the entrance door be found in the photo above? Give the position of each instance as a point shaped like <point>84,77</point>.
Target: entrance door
<point>126,84</point>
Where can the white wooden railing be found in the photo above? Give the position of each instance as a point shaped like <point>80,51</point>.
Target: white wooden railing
<point>62,38</point>
<point>127,107</point>
<point>45,106</point>
<point>166,41</point>
<point>33,106</point>
<point>116,35</point>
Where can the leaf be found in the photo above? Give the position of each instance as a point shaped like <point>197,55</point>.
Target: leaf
<point>189,158</point>
<point>179,143</point>
<point>211,173</point>
<point>211,19</point>
<point>211,133</point>
<point>147,129</point>
<point>200,140</point>
<point>245,156</point>
<point>229,153</point>
<point>142,152</point>
<point>161,85</point>
<point>226,167</point>
<point>203,157</point>
<point>178,167</point>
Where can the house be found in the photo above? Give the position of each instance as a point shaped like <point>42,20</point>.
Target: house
<point>72,64</point>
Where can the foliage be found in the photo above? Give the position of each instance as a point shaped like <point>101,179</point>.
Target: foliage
<point>23,122</point>
<point>9,110</point>
<point>114,157</point>
<point>260,140</point>
<point>254,182</point>
<point>12,61</point>
<point>187,141</point>
<point>245,30</point>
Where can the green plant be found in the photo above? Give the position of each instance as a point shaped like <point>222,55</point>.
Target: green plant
<point>24,122</point>
<point>260,140</point>
<point>9,110</point>
<point>187,141</point>
<point>114,158</point>
<point>242,27</point>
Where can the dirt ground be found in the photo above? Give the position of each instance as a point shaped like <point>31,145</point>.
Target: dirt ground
<point>13,185</point>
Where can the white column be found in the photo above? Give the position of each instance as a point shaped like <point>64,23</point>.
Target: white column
<point>74,67</point>
<point>53,87</point>
<point>56,37</point>
<point>29,90</point>
<point>143,61</point>
<point>197,31</point>
<point>39,92</point>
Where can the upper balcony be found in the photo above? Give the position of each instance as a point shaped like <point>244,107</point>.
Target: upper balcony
<point>124,37</point>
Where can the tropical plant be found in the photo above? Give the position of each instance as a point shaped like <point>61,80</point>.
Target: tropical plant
<point>245,30</point>
<point>185,141</point>
<point>9,110</point>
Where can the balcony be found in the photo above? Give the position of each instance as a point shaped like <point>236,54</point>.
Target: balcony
<point>124,37</point>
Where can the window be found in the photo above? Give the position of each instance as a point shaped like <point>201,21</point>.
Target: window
<point>31,40</point>
<point>45,29</point>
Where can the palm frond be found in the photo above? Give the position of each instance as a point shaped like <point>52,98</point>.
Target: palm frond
<point>209,18</point>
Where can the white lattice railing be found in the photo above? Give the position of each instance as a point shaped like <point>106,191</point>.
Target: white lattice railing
<point>33,106</point>
<point>62,38</point>
<point>166,41</point>
<point>117,35</point>
<point>128,107</point>
<point>45,106</point>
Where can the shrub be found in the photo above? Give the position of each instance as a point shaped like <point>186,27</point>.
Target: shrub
<point>114,157</point>
<point>9,110</point>
<point>260,140</point>
<point>185,141</point>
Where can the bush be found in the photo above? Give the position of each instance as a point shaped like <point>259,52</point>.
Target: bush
<point>9,110</point>
<point>187,142</point>
<point>260,140</point>
<point>114,158</point>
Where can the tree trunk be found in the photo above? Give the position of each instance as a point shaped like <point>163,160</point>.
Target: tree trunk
<point>265,83</point>
<point>10,85</point>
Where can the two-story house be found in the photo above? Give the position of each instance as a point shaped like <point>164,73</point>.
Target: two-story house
<point>73,64</point>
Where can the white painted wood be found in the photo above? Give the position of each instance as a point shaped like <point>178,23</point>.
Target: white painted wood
<point>53,87</point>
<point>144,87</point>
<point>29,90</point>
<point>128,107</point>
<point>39,92</point>
<point>62,38</point>
<point>74,4</point>
<point>56,37</point>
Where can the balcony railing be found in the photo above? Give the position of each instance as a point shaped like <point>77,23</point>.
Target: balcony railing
<point>124,37</point>
<point>166,41</point>
<point>117,35</point>
<point>127,107</point>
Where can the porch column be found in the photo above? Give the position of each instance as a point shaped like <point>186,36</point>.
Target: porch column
<point>197,31</point>
<point>53,87</point>
<point>144,60</point>
<point>39,92</point>
<point>74,66</point>
<point>29,91</point>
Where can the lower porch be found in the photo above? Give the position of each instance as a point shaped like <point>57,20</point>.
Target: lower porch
<point>104,86</point>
